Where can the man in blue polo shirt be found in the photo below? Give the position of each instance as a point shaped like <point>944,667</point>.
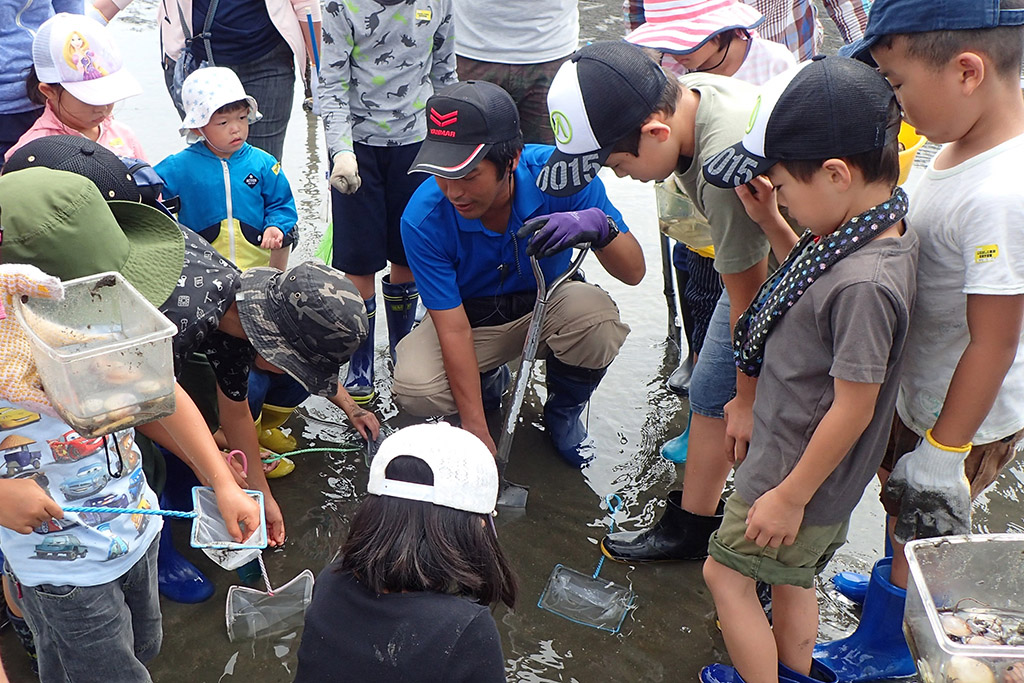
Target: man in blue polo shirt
<point>468,237</point>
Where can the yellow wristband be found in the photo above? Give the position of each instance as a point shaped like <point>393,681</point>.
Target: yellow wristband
<point>962,449</point>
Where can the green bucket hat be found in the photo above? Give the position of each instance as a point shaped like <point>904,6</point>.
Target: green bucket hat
<point>59,222</point>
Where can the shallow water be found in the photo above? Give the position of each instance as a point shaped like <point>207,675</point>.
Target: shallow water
<point>669,636</point>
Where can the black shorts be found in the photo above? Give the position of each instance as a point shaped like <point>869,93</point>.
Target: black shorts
<point>368,223</point>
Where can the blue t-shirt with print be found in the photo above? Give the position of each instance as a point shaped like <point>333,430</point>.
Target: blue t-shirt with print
<point>83,548</point>
<point>455,259</point>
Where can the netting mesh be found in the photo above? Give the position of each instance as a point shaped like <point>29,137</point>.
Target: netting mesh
<point>253,614</point>
<point>210,531</point>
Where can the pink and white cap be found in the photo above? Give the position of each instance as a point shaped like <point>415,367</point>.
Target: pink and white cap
<point>681,26</point>
<point>465,474</point>
<point>77,52</point>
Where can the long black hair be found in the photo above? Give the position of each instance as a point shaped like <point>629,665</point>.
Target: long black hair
<point>397,545</point>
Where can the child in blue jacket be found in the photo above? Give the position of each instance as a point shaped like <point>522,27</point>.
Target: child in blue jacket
<point>252,221</point>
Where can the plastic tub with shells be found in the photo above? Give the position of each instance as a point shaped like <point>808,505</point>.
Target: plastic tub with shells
<point>964,619</point>
<point>103,354</point>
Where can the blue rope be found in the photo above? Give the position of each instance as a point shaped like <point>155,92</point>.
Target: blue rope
<point>132,511</point>
<point>278,456</point>
<point>614,502</point>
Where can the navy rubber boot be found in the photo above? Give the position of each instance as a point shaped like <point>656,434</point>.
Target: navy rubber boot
<point>359,381</point>
<point>853,585</point>
<point>492,386</point>
<point>400,309</point>
<point>179,580</point>
<point>878,648</point>
<point>820,672</point>
<point>569,390</point>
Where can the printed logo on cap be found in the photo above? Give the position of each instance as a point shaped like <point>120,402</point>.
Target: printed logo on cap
<point>442,121</point>
<point>561,127</point>
<point>753,115</point>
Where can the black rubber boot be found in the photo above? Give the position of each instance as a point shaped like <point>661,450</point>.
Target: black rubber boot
<point>678,535</point>
<point>679,381</point>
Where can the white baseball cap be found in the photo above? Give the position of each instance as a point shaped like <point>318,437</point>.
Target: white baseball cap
<point>205,91</point>
<point>77,52</point>
<point>465,474</point>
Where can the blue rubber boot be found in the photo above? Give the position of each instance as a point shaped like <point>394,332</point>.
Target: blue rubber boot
<point>877,649</point>
<point>359,381</point>
<point>492,386</point>
<point>178,579</point>
<point>674,450</point>
<point>854,585</point>
<point>400,308</point>
<point>569,390</point>
<point>720,673</point>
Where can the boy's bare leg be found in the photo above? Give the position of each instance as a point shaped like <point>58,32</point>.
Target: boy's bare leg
<point>746,631</point>
<point>900,569</point>
<point>364,283</point>
<point>279,258</point>
<point>795,625</point>
<point>706,466</point>
<point>399,274</point>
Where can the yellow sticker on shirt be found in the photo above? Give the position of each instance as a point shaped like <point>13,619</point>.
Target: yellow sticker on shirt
<point>276,168</point>
<point>423,15</point>
<point>986,252</point>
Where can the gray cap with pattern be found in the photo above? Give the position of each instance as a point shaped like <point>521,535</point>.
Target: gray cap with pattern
<point>307,320</point>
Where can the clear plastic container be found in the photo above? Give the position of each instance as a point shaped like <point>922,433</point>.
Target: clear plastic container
<point>961,582</point>
<point>103,354</point>
<point>679,218</point>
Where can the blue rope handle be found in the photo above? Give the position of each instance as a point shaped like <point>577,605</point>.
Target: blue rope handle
<point>614,503</point>
<point>132,511</point>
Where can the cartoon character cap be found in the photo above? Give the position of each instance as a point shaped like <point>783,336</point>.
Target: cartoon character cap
<point>77,52</point>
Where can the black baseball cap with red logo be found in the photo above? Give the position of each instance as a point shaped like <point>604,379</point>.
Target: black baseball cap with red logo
<point>463,122</point>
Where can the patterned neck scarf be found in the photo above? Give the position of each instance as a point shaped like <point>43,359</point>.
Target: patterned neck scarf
<point>808,260</point>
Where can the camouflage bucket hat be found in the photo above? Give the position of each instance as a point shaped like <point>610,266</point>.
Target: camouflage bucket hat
<point>307,320</point>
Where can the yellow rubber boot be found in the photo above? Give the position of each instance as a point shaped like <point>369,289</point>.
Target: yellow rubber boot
<point>271,436</point>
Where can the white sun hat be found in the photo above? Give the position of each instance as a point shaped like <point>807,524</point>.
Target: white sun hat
<point>205,91</point>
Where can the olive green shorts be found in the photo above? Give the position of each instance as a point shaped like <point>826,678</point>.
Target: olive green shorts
<point>795,564</point>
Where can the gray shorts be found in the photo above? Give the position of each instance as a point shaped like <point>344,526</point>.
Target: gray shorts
<point>714,377</point>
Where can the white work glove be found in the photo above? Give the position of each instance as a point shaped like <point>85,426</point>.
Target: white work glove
<point>19,382</point>
<point>345,173</point>
<point>932,490</point>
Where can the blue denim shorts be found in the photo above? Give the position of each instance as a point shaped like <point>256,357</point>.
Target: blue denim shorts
<point>114,627</point>
<point>714,377</point>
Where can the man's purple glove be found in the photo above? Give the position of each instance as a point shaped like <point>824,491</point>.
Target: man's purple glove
<point>556,232</point>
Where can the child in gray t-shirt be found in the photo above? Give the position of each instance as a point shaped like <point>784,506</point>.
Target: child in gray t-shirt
<point>824,336</point>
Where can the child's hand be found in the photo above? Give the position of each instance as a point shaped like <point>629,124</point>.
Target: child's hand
<point>236,507</point>
<point>758,197</point>
<point>365,422</point>
<point>25,505</point>
<point>273,238</point>
<point>739,425</point>
<point>19,381</point>
<point>275,520</point>
<point>774,519</point>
